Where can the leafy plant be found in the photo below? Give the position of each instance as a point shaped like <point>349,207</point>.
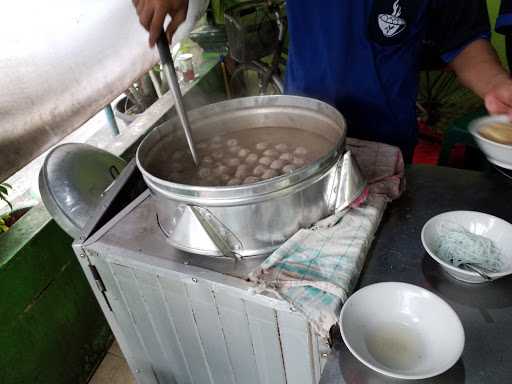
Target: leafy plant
<point>4,191</point>
<point>3,223</point>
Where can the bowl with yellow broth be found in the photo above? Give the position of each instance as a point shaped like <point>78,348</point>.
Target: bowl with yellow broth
<point>493,134</point>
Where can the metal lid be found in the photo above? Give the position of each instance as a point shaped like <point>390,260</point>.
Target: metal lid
<point>72,181</point>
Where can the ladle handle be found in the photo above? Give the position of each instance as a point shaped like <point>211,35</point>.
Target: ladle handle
<point>163,49</point>
<point>170,74</point>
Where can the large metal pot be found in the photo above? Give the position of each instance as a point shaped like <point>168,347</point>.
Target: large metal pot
<point>254,219</point>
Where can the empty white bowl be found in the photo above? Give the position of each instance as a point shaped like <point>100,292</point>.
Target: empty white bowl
<point>401,330</point>
<point>498,154</point>
<point>482,224</point>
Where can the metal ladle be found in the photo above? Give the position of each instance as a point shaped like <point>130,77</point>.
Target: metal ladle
<point>170,74</point>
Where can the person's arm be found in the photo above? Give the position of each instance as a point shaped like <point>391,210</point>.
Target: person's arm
<point>152,14</point>
<point>478,68</point>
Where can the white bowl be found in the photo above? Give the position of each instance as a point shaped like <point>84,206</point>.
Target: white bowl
<point>493,228</point>
<point>498,154</point>
<point>401,330</point>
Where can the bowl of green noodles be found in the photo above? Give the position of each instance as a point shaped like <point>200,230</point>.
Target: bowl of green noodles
<point>455,239</point>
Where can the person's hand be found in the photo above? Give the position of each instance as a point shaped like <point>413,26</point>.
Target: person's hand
<point>499,98</point>
<point>152,15</point>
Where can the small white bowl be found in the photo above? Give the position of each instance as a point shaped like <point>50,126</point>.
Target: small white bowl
<point>498,154</point>
<point>402,331</point>
<point>482,224</point>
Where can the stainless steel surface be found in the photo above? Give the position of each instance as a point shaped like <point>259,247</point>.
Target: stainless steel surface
<point>485,310</point>
<point>243,114</point>
<point>174,87</point>
<point>72,180</point>
<point>263,215</point>
<point>260,227</point>
<point>218,236</point>
<point>350,184</point>
<point>182,318</point>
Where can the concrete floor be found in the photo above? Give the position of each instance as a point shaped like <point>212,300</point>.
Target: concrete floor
<point>113,369</point>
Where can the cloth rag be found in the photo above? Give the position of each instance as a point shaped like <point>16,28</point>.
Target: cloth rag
<point>317,269</point>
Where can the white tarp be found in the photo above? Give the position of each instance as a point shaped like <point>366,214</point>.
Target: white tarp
<point>61,61</point>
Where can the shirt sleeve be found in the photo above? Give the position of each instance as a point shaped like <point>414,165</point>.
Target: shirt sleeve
<point>196,10</point>
<point>454,24</point>
<point>504,21</point>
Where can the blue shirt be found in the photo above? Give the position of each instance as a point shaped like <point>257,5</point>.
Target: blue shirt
<point>504,21</point>
<point>362,57</point>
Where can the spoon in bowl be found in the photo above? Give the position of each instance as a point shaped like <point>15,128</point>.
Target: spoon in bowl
<point>473,268</point>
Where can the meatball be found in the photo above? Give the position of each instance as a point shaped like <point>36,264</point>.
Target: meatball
<point>232,143</point>
<point>251,180</point>
<point>234,181</point>
<point>234,149</point>
<point>289,168</point>
<point>225,178</point>
<point>216,140</point>
<point>207,160</point>
<point>298,161</point>
<point>242,171</point>
<point>259,170</point>
<point>217,155</point>
<point>262,146</point>
<point>286,157</point>
<point>265,160</point>
<point>252,158</point>
<point>232,162</point>
<point>204,173</point>
<point>243,152</point>
<point>221,170</point>
<point>271,153</point>
<point>277,165</point>
<point>300,151</point>
<point>269,174</point>
<point>282,147</point>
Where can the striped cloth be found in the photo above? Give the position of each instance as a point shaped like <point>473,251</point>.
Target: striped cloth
<point>317,269</point>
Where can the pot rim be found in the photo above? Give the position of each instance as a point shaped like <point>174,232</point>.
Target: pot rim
<point>241,194</point>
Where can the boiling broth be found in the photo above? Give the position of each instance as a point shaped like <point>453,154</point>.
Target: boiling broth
<point>242,157</point>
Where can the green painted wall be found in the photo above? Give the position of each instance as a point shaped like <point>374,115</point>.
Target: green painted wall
<point>498,41</point>
<point>51,328</point>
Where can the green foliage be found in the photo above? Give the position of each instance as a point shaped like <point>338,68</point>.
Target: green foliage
<point>4,191</point>
<point>3,224</point>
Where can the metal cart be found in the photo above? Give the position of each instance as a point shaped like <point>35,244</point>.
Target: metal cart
<point>184,318</point>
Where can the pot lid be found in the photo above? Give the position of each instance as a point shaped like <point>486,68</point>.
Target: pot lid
<point>72,181</point>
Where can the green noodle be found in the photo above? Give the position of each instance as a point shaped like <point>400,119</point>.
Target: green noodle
<point>457,245</point>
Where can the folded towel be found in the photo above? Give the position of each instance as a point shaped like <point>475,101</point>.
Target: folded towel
<point>318,268</point>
